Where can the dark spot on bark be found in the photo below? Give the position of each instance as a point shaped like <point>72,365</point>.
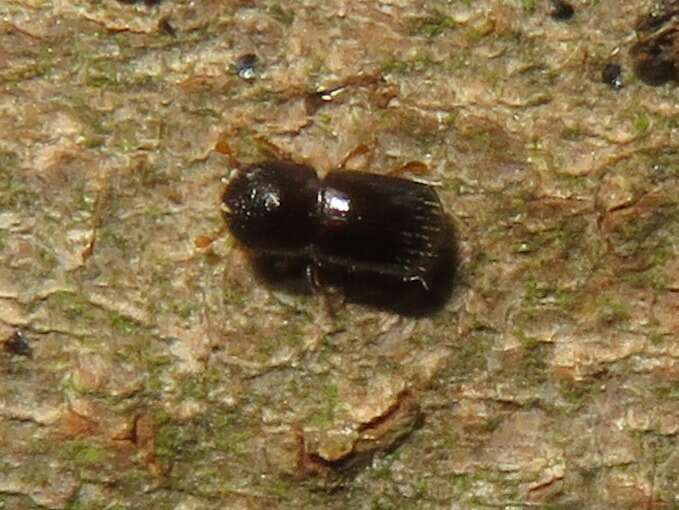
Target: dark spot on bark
<point>165,27</point>
<point>18,344</point>
<point>611,75</point>
<point>245,66</point>
<point>562,11</point>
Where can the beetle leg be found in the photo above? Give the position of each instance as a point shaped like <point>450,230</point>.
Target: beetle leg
<point>360,150</point>
<point>313,278</point>
<point>416,168</point>
<point>272,150</point>
<point>329,297</point>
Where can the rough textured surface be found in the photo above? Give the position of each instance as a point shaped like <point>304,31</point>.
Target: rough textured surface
<point>143,367</point>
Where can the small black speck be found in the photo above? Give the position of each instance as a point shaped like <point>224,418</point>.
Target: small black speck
<point>18,344</point>
<point>611,75</point>
<point>563,11</point>
<point>245,66</point>
<point>165,27</point>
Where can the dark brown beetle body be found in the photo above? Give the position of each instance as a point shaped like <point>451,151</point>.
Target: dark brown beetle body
<point>381,240</point>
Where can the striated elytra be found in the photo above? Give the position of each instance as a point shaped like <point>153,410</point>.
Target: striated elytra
<point>381,240</point>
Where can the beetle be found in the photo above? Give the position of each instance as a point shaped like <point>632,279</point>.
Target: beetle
<point>380,240</point>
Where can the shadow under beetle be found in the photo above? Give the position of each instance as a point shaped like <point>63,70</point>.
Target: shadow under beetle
<point>382,241</point>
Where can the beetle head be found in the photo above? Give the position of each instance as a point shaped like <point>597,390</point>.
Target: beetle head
<point>269,206</point>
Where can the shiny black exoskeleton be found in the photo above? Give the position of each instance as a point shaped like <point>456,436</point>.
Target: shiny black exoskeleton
<point>381,240</point>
